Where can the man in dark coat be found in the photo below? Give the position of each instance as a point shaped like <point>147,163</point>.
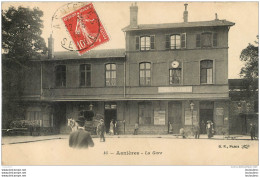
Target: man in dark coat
<point>80,138</point>
<point>197,131</point>
<point>101,130</point>
<point>252,131</point>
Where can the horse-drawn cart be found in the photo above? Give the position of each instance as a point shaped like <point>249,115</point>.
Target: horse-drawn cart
<point>91,123</point>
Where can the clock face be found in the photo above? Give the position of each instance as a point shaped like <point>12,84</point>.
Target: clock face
<point>175,64</point>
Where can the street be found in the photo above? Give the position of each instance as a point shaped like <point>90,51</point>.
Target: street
<point>134,151</point>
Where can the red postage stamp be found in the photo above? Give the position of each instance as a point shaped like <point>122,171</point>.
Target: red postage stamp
<point>85,28</point>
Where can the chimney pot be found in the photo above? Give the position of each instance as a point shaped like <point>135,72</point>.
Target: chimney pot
<point>216,16</point>
<point>185,13</point>
<point>133,15</point>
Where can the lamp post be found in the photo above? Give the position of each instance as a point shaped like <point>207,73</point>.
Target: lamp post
<point>191,108</point>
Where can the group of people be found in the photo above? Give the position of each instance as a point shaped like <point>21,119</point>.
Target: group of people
<point>113,127</point>
<point>80,138</point>
<point>197,129</point>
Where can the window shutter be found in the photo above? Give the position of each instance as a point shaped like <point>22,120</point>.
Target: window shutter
<point>183,40</point>
<point>152,42</point>
<point>203,76</point>
<point>198,40</point>
<point>167,41</point>
<point>215,41</point>
<point>137,45</point>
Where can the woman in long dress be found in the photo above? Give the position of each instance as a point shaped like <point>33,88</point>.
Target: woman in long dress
<point>111,128</point>
<point>209,129</point>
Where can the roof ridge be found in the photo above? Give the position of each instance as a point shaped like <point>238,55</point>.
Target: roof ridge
<point>214,22</point>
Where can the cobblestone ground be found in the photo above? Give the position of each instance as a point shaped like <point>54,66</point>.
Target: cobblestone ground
<point>134,151</point>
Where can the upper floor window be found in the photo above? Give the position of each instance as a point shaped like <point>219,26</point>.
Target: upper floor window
<point>206,72</point>
<point>145,74</point>
<point>175,75</point>
<point>147,43</point>
<point>85,75</point>
<point>206,39</point>
<point>60,76</point>
<point>176,41</point>
<point>110,74</point>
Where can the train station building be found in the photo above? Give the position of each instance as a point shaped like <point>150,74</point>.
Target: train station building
<point>170,73</point>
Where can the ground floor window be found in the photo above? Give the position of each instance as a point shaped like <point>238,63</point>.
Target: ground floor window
<point>35,116</point>
<point>145,113</point>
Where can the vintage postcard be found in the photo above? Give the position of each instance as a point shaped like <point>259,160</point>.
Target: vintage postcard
<point>129,83</point>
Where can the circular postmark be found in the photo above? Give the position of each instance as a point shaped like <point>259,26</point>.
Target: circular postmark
<point>78,27</point>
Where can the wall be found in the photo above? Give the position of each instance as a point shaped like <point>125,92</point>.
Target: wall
<point>32,80</point>
<point>190,36</point>
<point>189,59</point>
<point>73,88</point>
<point>221,120</point>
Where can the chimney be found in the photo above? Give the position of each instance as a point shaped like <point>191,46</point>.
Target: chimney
<point>185,13</point>
<point>50,47</point>
<point>133,15</point>
<point>216,16</point>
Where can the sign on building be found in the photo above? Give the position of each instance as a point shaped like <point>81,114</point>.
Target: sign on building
<point>159,117</point>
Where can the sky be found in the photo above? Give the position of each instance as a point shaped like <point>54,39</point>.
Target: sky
<point>116,15</point>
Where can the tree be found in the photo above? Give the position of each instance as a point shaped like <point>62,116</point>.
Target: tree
<point>249,72</point>
<point>21,42</point>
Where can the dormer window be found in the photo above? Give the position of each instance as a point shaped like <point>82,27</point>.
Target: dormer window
<point>147,43</point>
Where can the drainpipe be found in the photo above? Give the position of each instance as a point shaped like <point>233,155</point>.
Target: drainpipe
<point>125,77</point>
<point>41,82</point>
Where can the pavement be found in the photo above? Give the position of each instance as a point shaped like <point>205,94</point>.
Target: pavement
<point>29,139</point>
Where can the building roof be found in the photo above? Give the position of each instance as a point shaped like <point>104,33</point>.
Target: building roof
<point>237,84</point>
<point>211,23</point>
<point>106,53</point>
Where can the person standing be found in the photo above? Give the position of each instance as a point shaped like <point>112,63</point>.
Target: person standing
<point>203,127</point>
<point>170,128</point>
<point>182,133</point>
<point>111,128</point>
<point>116,128</point>
<point>101,128</point>
<point>80,138</point>
<point>209,128</point>
<point>136,128</point>
<point>197,131</point>
<point>252,131</point>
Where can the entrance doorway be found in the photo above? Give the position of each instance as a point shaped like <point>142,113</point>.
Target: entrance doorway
<point>110,114</point>
<point>174,112</point>
<point>59,117</point>
<point>206,114</point>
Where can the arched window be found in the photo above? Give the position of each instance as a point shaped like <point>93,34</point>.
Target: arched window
<point>110,74</point>
<point>206,72</point>
<point>60,76</point>
<point>145,74</point>
<point>85,75</point>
